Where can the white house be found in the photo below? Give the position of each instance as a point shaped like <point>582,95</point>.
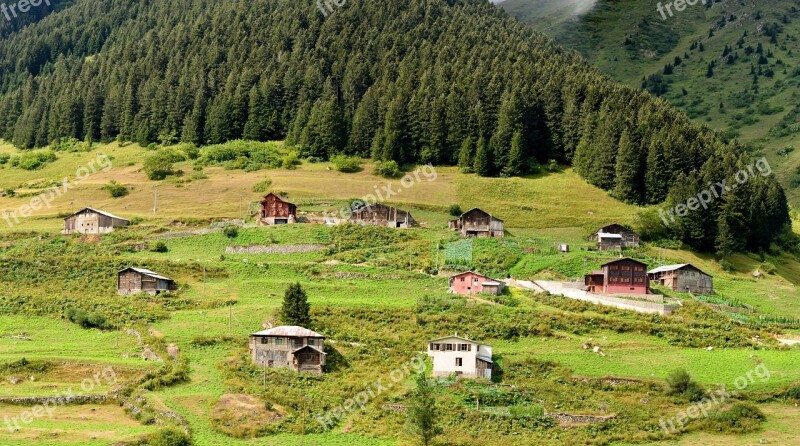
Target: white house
<point>465,358</point>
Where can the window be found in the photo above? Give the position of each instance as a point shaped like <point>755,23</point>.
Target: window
<point>278,341</point>
<point>459,362</point>
<point>265,340</point>
<point>462,279</point>
<point>298,342</point>
<point>435,347</point>
<point>448,347</point>
<point>464,347</point>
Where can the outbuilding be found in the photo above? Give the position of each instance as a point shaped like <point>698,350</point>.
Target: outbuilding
<point>682,278</point>
<point>92,221</point>
<point>289,347</point>
<point>140,280</point>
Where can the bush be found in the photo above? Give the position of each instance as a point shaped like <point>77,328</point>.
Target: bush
<point>726,265</point>
<point>740,418</point>
<point>86,319</point>
<point>230,231</point>
<point>169,437</point>
<point>387,169</point>
<point>768,267</point>
<point>679,382</point>
<point>455,210</point>
<point>346,164</point>
<point>159,166</point>
<point>33,160</point>
<point>4,157</point>
<point>291,160</point>
<point>159,247</point>
<point>262,186</point>
<point>115,189</point>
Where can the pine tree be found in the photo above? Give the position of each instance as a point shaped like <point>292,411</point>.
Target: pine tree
<point>516,156</point>
<point>423,416</point>
<point>295,309</point>
<point>482,164</point>
<point>466,156</point>
<point>628,185</point>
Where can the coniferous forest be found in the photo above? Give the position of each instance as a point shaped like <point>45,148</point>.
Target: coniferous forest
<point>453,82</point>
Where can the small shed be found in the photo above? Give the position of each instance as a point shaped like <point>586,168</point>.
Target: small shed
<point>140,280</point>
<point>563,247</point>
<point>92,221</point>
<point>682,278</point>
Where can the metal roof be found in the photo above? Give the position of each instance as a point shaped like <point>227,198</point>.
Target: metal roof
<point>457,337</point>
<point>624,258</point>
<point>107,214</point>
<point>608,235</point>
<point>485,358</point>
<point>308,346</point>
<point>491,283</point>
<point>481,210</point>
<point>667,268</point>
<point>291,331</point>
<point>147,272</point>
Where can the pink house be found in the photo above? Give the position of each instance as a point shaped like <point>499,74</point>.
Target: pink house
<point>473,283</point>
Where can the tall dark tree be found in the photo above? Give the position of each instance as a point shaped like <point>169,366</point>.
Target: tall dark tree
<point>295,309</point>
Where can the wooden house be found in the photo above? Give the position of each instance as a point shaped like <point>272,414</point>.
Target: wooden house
<point>621,276</point>
<point>275,211</point>
<point>477,223</point>
<point>460,357</point>
<point>289,347</point>
<point>614,237</point>
<point>139,280</point>
<point>473,283</point>
<point>92,221</point>
<point>382,215</point>
<point>682,278</point>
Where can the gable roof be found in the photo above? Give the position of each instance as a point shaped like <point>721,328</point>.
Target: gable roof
<point>458,337</point>
<point>622,259</point>
<point>146,272</point>
<point>485,277</point>
<point>667,268</point>
<point>277,198</point>
<point>309,346</point>
<point>107,214</point>
<point>291,331</point>
<point>480,210</point>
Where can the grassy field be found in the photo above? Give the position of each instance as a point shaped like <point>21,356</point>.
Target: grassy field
<point>373,295</point>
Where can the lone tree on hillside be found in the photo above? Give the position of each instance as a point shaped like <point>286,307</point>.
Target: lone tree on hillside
<point>295,309</point>
<point>422,413</point>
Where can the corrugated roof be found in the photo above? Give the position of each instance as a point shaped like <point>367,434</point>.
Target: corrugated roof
<point>485,358</point>
<point>621,259</point>
<point>667,268</point>
<point>457,337</point>
<point>479,209</point>
<point>491,283</point>
<point>147,272</point>
<point>308,346</point>
<point>291,331</point>
<point>608,235</point>
<point>107,214</point>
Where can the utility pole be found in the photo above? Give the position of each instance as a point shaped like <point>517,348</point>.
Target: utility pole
<point>230,320</point>
<point>155,199</point>
<point>204,281</point>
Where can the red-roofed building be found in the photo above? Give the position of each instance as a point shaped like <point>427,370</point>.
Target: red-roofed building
<point>275,211</point>
<point>621,276</point>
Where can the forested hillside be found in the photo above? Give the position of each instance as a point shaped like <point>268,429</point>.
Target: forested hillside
<point>446,82</point>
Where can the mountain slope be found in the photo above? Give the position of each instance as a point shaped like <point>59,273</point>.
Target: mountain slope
<point>746,96</point>
<point>418,81</point>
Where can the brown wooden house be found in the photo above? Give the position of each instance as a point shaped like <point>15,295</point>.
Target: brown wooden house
<point>92,221</point>
<point>139,280</point>
<point>682,278</point>
<point>621,276</point>
<point>382,215</point>
<point>615,237</point>
<point>275,211</point>
<point>477,223</point>
<point>289,347</point>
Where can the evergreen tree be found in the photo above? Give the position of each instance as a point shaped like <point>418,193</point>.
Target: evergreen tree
<point>516,156</point>
<point>423,416</point>
<point>466,156</point>
<point>482,164</point>
<point>295,309</point>
<point>628,185</point>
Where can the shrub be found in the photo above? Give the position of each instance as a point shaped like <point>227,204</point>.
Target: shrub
<point>115,189</point>
<point>740,418</point>
<point>768,267</point>
<point>291,160</point>
<point>158,166</point>
<point>262,186</point>
<point>159,247</point>
<point>387,169</point>
<point>169,437</point>
<point>726,265</point>
<point>455,210</point>
<point>346,164</point>
<point>679,382</point>
<point>190,150</point>
<point>4,157</point>
<point>33,160</point>
<point>230,231</point>
<point>86,319</point>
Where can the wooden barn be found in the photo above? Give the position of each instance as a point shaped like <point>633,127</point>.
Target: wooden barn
<point>275,211</point>
<point>621,276</point>
<point>139,280</point>
<point>473,283</point>
<point>614,237</point>
<point>477,223</point>
<point>682,278</point>
<point>92,221</point>
<point>382,215</point>
<point>289,347</point>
